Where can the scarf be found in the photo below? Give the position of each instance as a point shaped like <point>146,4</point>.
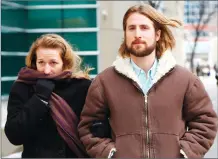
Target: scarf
<point>64,117</point>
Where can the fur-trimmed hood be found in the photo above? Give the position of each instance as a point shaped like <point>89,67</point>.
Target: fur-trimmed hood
<point>165,64</point>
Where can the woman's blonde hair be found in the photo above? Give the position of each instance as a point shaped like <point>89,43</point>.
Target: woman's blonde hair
<point>160,23</point>
<point>71,61</point>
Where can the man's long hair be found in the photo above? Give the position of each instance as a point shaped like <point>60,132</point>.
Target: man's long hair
<point>166,40</point>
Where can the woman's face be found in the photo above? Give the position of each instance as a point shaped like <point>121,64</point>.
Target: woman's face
<point>48,61</point>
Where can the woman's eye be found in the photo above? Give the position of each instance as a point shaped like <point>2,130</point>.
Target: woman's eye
<point>40,62</point>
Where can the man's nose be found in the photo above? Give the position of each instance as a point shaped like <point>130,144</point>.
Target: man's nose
<point>137,33</point>
<point>47,69</point>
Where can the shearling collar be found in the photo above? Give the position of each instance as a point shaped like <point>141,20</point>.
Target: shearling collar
<point>165,64</point>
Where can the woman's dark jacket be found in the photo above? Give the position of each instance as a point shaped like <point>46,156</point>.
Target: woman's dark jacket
<point>30,124</point>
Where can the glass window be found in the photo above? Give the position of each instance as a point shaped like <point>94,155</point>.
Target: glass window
<point>21,2</point>
<point>79,18</point>
<point>51,18</point>
<point>90,61</point>
<point>62,18</point>
<point>58,2</point>
<point>11,65</point>
<point>14,42</point>
<point>6,87</point>
<point>82,41</point>
<point>80,2</point>
<point>13,17</point>
<point>44,2</point>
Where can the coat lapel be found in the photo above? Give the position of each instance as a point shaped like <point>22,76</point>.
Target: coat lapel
<point>165,64</point>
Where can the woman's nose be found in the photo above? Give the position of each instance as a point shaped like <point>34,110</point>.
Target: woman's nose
<point>47,69</point>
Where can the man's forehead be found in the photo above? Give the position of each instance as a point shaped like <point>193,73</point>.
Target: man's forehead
<point>138,19</point>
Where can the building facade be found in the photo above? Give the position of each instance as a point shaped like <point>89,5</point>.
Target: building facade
<point>24,21</point>
<point>195,13</point>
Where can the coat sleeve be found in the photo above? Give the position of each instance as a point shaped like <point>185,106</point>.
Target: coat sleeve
<point>201,121</point>
<point>25,115</point>
<point>94,109</point>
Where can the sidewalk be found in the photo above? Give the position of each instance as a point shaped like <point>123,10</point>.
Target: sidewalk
<point>14,155</point>
<point>212,89</point>
<point>8,150</point>
<point>3,112</point>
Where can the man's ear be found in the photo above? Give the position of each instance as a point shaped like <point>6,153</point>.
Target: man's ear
<point>158,33</point>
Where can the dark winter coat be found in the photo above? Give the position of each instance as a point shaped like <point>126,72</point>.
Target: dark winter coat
<point>30,124</point>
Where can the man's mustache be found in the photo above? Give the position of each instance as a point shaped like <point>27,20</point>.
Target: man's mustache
<point>138,42</point>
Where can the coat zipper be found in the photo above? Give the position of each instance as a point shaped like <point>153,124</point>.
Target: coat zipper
<point>146,116</point>
<point>146,108</point>
<point>146,121</point>
<point>147,128</point>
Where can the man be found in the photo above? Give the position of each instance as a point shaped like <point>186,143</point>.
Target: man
<point>157,108</point>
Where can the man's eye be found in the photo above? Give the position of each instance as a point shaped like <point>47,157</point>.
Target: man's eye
<point>131,28</point>
<point>53,63</point>
<point>144,27</point>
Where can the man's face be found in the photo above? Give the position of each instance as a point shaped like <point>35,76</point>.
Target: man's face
<point>140,35</point>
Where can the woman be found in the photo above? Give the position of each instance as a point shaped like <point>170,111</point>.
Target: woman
<point>46,100</point>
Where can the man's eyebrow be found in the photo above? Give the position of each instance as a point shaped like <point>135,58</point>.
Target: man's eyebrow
<point>139,25</point>
<point>131,25</point>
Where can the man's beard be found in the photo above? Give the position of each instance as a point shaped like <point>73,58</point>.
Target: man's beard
<point>141,53</point>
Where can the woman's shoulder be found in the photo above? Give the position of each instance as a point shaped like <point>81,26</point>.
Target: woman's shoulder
<point>20,90</point>
<point>81,81</point>
<point>19,86</point>
<point>74,82</point>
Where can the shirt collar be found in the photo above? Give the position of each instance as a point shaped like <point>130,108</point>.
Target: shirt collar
<point>138,70</point>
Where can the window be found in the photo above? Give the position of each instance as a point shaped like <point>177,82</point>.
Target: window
<point>62,18</point>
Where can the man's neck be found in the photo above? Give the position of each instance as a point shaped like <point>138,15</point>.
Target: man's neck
<point>145,62</point>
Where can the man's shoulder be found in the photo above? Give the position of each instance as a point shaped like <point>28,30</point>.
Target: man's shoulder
<point>106,72</point>
<point>107,76</point>
<point>184,73</point>
<point>182,69</point>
